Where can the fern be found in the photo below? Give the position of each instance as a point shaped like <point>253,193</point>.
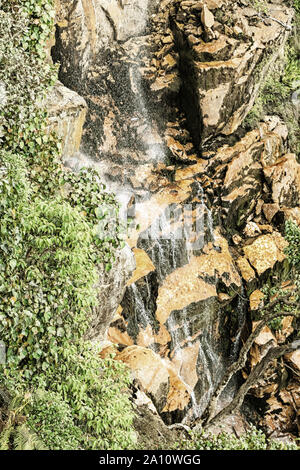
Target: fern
<point>25,439</point>
<point>5,438</point>
<point>16,436</point>
<point>20,438</point>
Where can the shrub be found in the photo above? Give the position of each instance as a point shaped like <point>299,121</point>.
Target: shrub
<point>50,254</point>
<point>292,235</point>
<point>275,96</point>
<point>253,439</point>
<point>51,418</point>
<point>46,275</point>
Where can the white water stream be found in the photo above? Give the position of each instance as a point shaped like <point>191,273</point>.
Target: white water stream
<point>165,244</point>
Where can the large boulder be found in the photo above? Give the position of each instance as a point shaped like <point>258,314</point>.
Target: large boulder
<point>111,288</point>
<point>158,378</point>
<point>225,55</point>
<point>66,117</point>
<point>86,27</point>
<point>284,176</point>
<point>266,251</point>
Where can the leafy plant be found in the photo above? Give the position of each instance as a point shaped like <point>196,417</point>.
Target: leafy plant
<point>46,275</point>
<point>51,250</point>
<point>51,418</point>
<point>275,96</point>
<point>20,438</point>
<point>16,434</point>
<point>292,235</point>
<point>253,439</point>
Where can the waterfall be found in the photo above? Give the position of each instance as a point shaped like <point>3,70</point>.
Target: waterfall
<point>178,354</point>
<point>209,219</point>
<point>173,239</point>
<point>241,318</point>
<point>153,147</point>
<point>195,408</point>
<point>141,313</point>
<point>174,332</point>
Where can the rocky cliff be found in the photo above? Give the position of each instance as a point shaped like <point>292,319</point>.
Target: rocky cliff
<point>166,87</point>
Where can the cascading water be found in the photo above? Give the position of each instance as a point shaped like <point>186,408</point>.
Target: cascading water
<point>171,241</point>
<point>142,315</point>
<point>241,319</point>
<point>173,327</point>
<point>152,146</point>
<point>178,355</point>
<point>209,219</point>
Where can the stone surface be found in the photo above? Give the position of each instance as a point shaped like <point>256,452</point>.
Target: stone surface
<point>144,265</point>
<point>256,299</point>
<point>207,17</point>
<point>266,251</point>
<point>220,81</point>
<point>247,272</point>
<point>156,95</point>
<point>284,176</point>
<point>96,24</point>
<point>111,289</point>
<point>157,377</point>
<point>152,432</point>
<point>294,359</point>
<point>67,112</point>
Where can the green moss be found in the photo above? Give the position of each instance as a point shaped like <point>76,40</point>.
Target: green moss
<point>276,93</point>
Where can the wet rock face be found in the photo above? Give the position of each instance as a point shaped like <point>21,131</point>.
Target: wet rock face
<point>176,308</point>
<point>162,81</point>
<point>131,86</point>
<point>111,289</point>
<point>86,27</point>
<point>225,51</point>
<point>204,58</point>
<point>178,298</point>
<point>277,389</point>
<point>67,111</point>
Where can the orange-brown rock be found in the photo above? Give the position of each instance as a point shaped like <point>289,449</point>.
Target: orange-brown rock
<point>207,17</point>
<point>266,251</point>
<point>284,176</point>
<point>119,337</point>
<point>214,94</point>
<point>294,359</point>
<point>144,265</point>
<point>186,364</point>
<point>181,288</point>
<point>293,214</point>
<point>256,299</point>
<point>157,377</point>
<point>270,210</point>
<point>66,116</point>
<point>187,284</point>
<point>264,336</point>
<point>178,297</point>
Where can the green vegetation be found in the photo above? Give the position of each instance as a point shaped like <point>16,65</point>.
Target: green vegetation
<point>292,235</point>
<point>253,439</point>
<point>55,236</point>
<point>51,251</point>
<point>282,82</point>
<point>15,433</point>
<point>260,5</point>
<point>52,419</point>
<point>275,289</point>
